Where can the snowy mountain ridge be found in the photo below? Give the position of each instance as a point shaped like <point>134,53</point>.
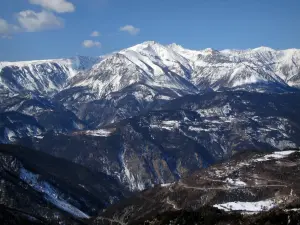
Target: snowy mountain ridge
<point>134,80</point>
<point>42,76</point>
<point>151,63</point>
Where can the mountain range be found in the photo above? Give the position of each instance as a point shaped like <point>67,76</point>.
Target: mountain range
<point>150,63</point>
<point>145,116</point>
<point>144,75</point>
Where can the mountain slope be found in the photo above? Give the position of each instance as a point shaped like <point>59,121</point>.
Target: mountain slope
<point>158,65</point>
<point>151,63</point>
<point>249,183</point>
<point>233,68</point>
<point>14,125</point>
<point>54,189</point>
<point>31,115</point>
<point>182,136</point>
<point>41,76</point>
<point>147,75</point>
<point>213,216</point>
<point>150,72</point>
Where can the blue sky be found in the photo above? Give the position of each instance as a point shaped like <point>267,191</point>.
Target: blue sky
<point>41,29</point>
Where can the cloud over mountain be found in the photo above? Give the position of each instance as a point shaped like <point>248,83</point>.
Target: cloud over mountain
<point>32,21</point>
<point>130,29</point>
<point>91,44</point>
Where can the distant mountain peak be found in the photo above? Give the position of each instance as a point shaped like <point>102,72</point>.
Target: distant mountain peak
<point>175,46</point>
<point>263,49</point>
<point>210,51</point>
<point>156,63</point>
<point>145,45</point>
<point>150,43</point>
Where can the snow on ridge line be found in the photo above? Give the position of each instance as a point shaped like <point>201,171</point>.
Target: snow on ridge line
<point>168,46</point>
<point>36,62</point>
<point>98,133</point>
<point>259,206</point>
<point>167,125</point>
<point>166,184</point>
<point>170,122</point>
<point>275,155</point>
<point>235,182</point>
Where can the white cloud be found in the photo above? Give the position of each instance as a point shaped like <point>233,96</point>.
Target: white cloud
<point>59,6</point>
<point>90,44</point>
<point>32,21</point>
<point>95,34</point>
<point>4,27</point>
<point>7,29</point>
<point>130,29</point>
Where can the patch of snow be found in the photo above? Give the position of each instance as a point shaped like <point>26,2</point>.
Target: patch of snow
<point>133,181</point>
<point>292,210</point>
<point>167,125</point>
<point>172,204</point>
<point>222,111</point>
<point>154,126</point>
<point>235,182</point>
<point>163,97</point>
<point>274,155</point>
<point>171,123</point>
<point>247,206</point>
<point>9,135</point>
<point>67,207</point>
<point>139,96</point>
<point>197,129</point>
<point>39,136</point>
<point>50,193</point>
<point>166,185</point>
<point>33,130</point>
<point>76,125</point>
<point>98,133</point>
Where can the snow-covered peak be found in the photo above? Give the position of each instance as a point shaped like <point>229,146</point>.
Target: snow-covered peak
<point>209,51</point>
<point>175,47</point>
<point>150,48</point>
<point>144,45</point>
<point>157,57</point>
<point>155,50</point>
<point>262,49</point>
<point>155,64</point>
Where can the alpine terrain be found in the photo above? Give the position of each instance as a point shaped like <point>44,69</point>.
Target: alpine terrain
<point>151,134</point>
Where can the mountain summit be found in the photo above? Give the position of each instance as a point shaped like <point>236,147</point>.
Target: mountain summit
<point>151,63</point>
